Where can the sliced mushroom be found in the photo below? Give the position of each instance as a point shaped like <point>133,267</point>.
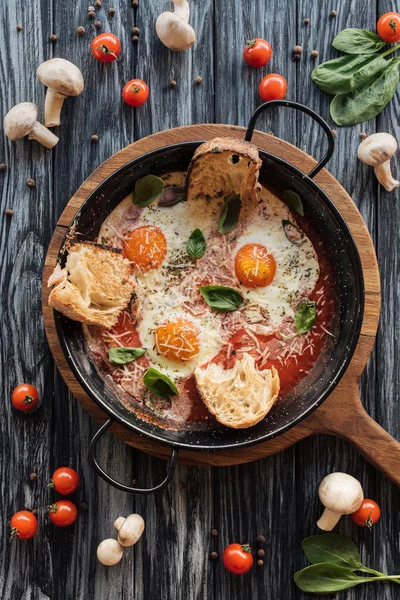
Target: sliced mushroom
<point>129,529</point>
<point>63,79</point>
<point>21,120</point>
<point>173,28</point>
<point>377,150</point>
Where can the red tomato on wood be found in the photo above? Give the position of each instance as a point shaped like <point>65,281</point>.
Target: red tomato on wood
<point>238,558</point>
<point>257,52</point>
<point>272,87</point>
<point>368,514</point>
<point>65,480</point>
<point>25,397</point>
<point>23,525</point>
<point>106,47</point>
<point>135,92</point>
<point>388,27</point>
<point>63,513</point>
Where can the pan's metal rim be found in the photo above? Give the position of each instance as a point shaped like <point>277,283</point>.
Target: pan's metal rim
<point>158,438</point>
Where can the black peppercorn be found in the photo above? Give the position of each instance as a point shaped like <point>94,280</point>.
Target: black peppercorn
<point>260,563</point>
<point>306,21</point>
<point>214,555</point>
<point>97,24</point>
<point>80,30</point>
<point>33,476</point>
<point>9,212</point>
<point>260,553</point>
<point>53,38</point>
<point>214,532</point>
<point>95,138</point>
<point>260,539</point>
<point>333,13</point>
<point>198,80</point>
<point>135,39</point>
<point>136,30</point>
<point>111,12</point>
<point>30,182</point>
<point>19,27</point>
<point>3,167</point>
<point>172,83</point>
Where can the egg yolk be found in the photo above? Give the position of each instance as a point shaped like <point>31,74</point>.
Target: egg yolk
<point>177,340</point>
<point>145,247</point>
<point>254,266</point>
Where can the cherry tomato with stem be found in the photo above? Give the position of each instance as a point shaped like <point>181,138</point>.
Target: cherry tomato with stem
<point>272,87</point>
<point>135,92</point>
<point>257,52</point>
<point>23,525</point>
<point>388,27</point>
<point>65,480</point>
<point>63,513</point>
<point>368,514</point>
<point>106,47</point>
<point>238,558</point>
<point>25,397</point>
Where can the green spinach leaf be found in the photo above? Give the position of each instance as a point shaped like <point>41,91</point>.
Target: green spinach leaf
<point>347,73</point>
<point>358,41</point>
<point>294,202</point>
<point>367,102</point>
<point>221,298</point>
<point>230,214</point>
<point>196,244</point>
<point>121,356</point>
<point>332,548</point>
<point>325,578</point>
<point>147,189</point>
<point>159,384</point>
<point>305,316</point>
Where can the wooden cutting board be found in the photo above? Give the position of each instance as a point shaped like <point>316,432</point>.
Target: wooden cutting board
<point>342,414</point>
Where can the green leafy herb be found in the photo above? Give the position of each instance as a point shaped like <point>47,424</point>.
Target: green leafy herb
<point>335,559</point>
<point>305,316</point>
<point>367,102</point>
<point>347,73</point>
<point>121,356</point>
<point>104,241</point>
<point>358,41</point>
<point>294,202</point>
<point>196,244</point>
<point>147,189</point>
<point>221,298</point>
<point>159,384</point>
<point>230,214</point>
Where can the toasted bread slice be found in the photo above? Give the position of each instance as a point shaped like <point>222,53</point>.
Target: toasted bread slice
<point>94,287</point>
<point>239,397</point>
<point>222,167</point>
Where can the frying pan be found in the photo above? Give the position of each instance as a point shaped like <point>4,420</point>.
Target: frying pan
<point>343,255</point>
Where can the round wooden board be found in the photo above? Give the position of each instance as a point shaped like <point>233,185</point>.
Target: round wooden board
<point>342,414</point>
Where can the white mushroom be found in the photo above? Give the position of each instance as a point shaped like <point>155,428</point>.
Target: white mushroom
<point>109,552</point>
<point>377,150</point>
<point>129,529</point>
<point>341,494</point>
<point>173,28</point>
<point>62,79</point>
<point>21,120</point>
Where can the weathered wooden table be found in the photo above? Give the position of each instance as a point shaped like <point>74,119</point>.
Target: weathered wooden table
<point>275,497</point>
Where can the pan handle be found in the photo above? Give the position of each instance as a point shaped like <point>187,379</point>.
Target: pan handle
<point>122,486</point>
<point>304,109</point>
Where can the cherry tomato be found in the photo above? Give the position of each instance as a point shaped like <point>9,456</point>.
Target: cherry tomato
<point>272,87</point>
<point>257,52</point>
<point>368,514</point>
<point>238,558</point>
<point>63,513</point>
<point>106,47</point>
<point>64,480</point>
<point>23,525</point>
<point>25,397</point>
<point>388,27</point>
<point>135,93</point>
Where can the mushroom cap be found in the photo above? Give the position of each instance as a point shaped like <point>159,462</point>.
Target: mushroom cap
<point>20,120</point>
<point>62,76</point>
<point>341,493</point>
<point>174,32</point>
<point>377,149</point>
<point>109,552</point>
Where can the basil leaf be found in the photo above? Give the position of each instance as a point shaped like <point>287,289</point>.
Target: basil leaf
<point>358,41</point>
<point>147,189</point>
<point>121,356</point>
<point>230,214</point>
<point>221,297</point>
<point>160,385</point>
<point>196,244</point>
<point>305,316</point>
<point>326,578</point>
<point>294,202</point>
<point>347,73</point>
<point>332,548</point>
<point>367,102</point>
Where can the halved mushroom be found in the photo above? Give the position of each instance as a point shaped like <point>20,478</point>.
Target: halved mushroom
<point>21,120</point>
<point>63,79</point>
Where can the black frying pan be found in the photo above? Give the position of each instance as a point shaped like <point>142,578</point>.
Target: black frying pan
<point>312,391</point>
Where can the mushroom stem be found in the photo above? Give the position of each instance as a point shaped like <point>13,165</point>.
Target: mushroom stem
<point>385,177</point>
<point>41,134</point>
<point>328,520</point>
<point>181,9</point>
<point>52,108</point>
